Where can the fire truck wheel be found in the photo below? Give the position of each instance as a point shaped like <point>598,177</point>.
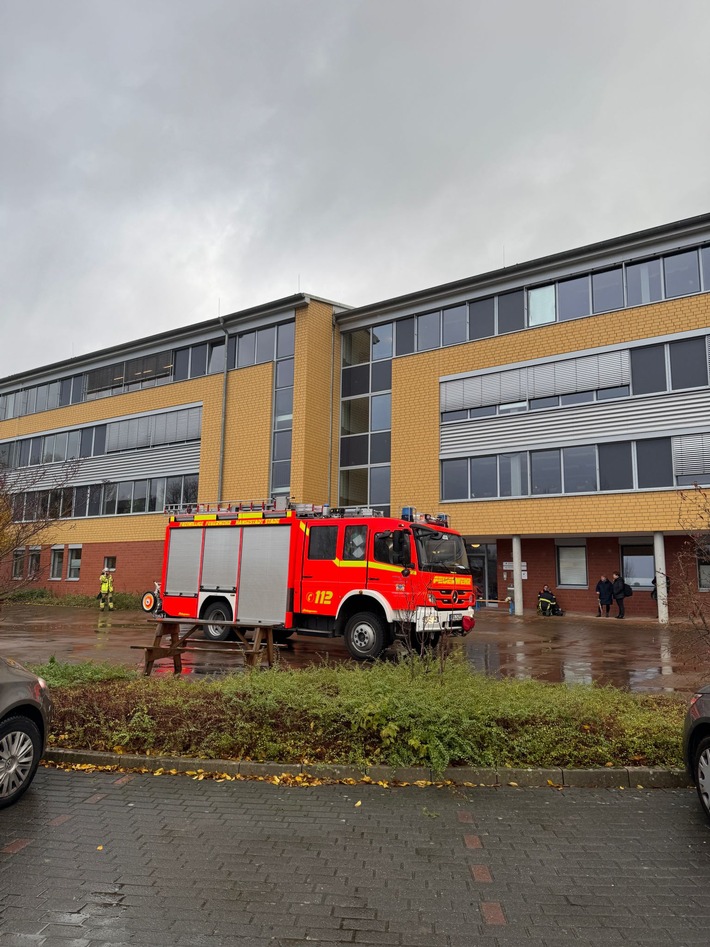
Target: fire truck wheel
<point>365,635</point>
<point>282,634</point>
<point>426,641</point>
<point>217,611</point>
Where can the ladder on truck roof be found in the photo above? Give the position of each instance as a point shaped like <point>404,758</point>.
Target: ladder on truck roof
<point>273,507</point>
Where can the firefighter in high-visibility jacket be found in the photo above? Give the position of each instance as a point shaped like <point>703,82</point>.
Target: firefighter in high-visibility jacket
<point>106,590</point>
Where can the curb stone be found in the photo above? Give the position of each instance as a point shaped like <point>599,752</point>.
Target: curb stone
<point>602,778</point>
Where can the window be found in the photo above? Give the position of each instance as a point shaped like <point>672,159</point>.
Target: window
<point>573,298</point>
<point>382,548</point>
<point>283,408</point>
<point>381,413</point>
<point>265,344</point>
<point>382,339</point>
<point>511,311</point>
<point>454,325</point>
<point>356,347</point>
<point>285,339</point>
<point>405,336</point>
<point>353,487</point>
<point>56,567</point>
<point>322,542</point>
<point>648,369</point>
<point>282,445</point>
<point>637,566</point>
<point>124,497</point>
<point>284,373</point>
<point>513,475</point>
<point>541,305</point>
<point>484,477</point>
<point>607,290</point>
<point>18,564</point>
<point>580,469</point>
<point>353,451</point>
<point>545,472</point>
<point>181,365</point>
<point>381,376</point>
<point>140,495</point>
<point>74,565</point>
<point>454,479</point>
<point>704,575</point>
<point>428,331</point>
<point>33,562</point>
<point>109,563</point>
<point>355,381</point>
<point>689,363</point>
<point>681,274</point>
<point>216,357</point>
<point>572,565</point>
<point>615,467</point>
<point>654,463</point>
<point>380,485</point>
<point>355,543</point>
<point>537,404</point>
<point>380,448</point>
<point>608,394</point>
<point>355,416</point>
<point>643,283</point>
<point>481,318</point>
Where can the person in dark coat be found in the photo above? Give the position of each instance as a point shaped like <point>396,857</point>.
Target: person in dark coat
<point>617,590</point>
<point>604,596</point>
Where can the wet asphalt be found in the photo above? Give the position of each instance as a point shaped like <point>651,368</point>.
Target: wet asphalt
<point>639,655</point>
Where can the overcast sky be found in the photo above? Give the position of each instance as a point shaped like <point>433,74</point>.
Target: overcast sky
<point>161,160</point>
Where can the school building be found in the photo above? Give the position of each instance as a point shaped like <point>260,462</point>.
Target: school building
<point>558,410</point>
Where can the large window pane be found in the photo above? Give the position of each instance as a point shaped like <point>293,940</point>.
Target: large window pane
<point>108,507</point>
<point>282,445</point>
<point>608,290</point>
<point>354,451</point>
<point>615,467</point>
<point>353,487</point>
<point>181,364</point>
<point>246,349</point>
<point>381,413</point>
<point>379,485</point>
<point>454,479</point>
<point>573,298</point>
<point>356,347</point>
<point>57,564</point>
<point>648,369</point>
<point>198,360</point>
<point>481,318</point>
<point>428,331</point>
<point>140,496</point>
<point>355,416</point>
<point>541,305</point>
<point>545,472</point>
<point>643,283</point>
<point>513,474</point>
<point>381,376</point>
<point>265,344</point>
<point>405,336</point>
<point>283,408</point>
<point>654,463</point>
<point>355,381</point>
<point>572,565</point>
<point>484,476</point>
<point>216,358</point>
<point>454,325</point>
<point>124,496</point>
<point>638,566</point>
<point>689,363</point>
<point>189,488</point>
<point>580,469</point>
<point>156,495</point>
<point>511,311</point>
<point>382,339</point>
<point>285,340</point>
<point>681,274</point>
<point>284,373</point>
<point>173,491</point>
<point>380,448</point>
<point>705,262</point>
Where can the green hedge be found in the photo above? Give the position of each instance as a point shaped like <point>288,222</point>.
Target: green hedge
<point>405,714</point>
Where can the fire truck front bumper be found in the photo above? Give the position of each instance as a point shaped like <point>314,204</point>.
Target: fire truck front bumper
<point>451,622</point>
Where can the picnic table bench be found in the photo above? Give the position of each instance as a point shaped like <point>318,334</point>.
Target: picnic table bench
<point>252,649</point>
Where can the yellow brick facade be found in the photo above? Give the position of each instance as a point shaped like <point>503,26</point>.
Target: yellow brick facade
<point>415,427</point>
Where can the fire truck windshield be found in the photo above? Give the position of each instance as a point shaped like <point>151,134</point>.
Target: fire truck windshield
<point>440,552</point>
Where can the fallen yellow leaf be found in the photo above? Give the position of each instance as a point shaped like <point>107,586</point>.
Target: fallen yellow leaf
<point>358,803</point>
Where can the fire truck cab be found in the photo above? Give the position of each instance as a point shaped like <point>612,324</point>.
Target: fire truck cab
<point>316,571</point>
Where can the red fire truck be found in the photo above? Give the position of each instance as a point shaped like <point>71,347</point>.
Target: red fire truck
<point>316,571</point>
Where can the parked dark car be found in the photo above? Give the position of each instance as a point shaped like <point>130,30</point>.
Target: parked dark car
<point>25,716</point>
<point>696,744</point>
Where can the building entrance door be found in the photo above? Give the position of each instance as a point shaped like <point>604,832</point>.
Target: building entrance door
<point>482,559</point>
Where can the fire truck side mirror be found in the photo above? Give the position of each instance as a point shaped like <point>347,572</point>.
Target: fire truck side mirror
<point>401,548</point>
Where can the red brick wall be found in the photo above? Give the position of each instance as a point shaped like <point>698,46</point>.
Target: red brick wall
<point>603,556</point>
<point>138,565</point>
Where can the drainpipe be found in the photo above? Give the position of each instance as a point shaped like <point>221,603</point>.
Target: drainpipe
<point>224,413</point>
<point>330,418</point>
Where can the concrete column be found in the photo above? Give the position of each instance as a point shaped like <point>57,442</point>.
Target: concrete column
<point>517,575</point>
<point>659,554</point>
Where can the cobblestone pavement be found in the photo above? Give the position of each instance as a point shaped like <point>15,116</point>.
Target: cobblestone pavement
<point>108,859</point>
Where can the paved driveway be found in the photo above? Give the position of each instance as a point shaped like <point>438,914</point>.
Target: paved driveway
<point>89,859</point>
<point>639,655</point>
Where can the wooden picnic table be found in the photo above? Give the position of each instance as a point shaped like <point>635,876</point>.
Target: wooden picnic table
<point>252,649</point>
